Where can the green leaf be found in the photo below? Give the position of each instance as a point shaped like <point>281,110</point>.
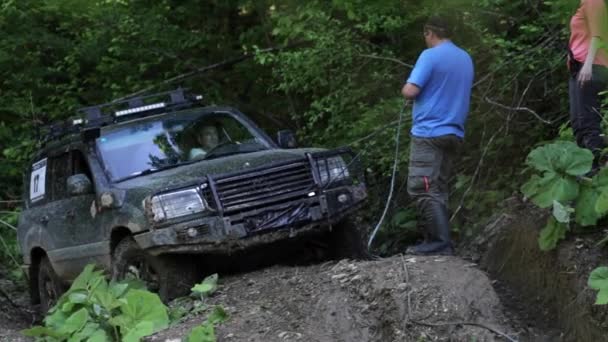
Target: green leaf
<point>202,333</point>
<point>552,233</point>
<point>99,336</point>
<point>561,212</point>
<point>207,286</point>
<point>142,329</point>
<point>561,157</point>
<point>601,205</point>
<point>551,187</point>
<point>598,280</point>
<point>585,213</point>
<point>218,315</point>
<point>39,331</point>
<point>86,333</point>
<point>75,322</point>
<point>77,297</point>
<point>141,306</point>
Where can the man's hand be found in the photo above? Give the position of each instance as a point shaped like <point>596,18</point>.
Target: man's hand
<point>584,75</point>
<point>410,91</point>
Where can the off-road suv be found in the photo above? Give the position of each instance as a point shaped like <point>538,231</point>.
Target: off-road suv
<point>140,188</point>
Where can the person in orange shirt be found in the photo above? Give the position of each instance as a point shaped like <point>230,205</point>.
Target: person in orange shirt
<point>588,65</point>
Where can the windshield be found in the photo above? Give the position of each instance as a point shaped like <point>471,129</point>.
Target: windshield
<point>170,141</point>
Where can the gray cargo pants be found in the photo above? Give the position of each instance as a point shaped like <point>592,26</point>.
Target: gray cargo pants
<point>430,168</point>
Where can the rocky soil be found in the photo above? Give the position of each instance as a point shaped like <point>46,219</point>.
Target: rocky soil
<point>394,299</point>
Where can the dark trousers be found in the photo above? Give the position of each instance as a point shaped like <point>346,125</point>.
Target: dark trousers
<point>430,168</point>
<point>431,161</point>
<point>585,114</point>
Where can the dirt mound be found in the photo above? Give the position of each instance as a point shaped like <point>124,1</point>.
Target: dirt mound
<point>551,287</point>
<point>394,299</point>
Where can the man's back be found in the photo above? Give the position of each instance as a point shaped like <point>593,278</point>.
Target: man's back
<point>444,74</point>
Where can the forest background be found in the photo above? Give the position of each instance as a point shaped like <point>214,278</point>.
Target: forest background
<point>333,74</point>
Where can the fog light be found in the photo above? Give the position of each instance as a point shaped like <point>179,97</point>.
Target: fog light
<point>192,232</point>
<point>343,198</point>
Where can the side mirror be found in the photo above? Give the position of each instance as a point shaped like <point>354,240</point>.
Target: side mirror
<point>79,184</point>
<point>287,139</point>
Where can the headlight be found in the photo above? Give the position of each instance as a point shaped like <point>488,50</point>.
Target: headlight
<point>332,169</point>
<point>175,204</point>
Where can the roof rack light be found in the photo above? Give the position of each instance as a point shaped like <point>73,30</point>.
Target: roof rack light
<point>140,109</point>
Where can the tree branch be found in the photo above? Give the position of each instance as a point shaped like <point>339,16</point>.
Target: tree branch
<point>394,60</point>
<point>518,109</point>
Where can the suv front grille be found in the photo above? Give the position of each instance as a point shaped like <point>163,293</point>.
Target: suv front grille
<point>263,188</point>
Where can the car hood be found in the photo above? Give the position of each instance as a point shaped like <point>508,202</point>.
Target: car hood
<point>182,175</point>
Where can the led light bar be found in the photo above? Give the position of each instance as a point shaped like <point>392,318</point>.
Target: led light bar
<point>140,109</point>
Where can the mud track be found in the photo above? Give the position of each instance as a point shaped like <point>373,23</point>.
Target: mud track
<point>394,299</point>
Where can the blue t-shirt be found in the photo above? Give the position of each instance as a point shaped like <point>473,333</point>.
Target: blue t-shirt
<point>444,75</point>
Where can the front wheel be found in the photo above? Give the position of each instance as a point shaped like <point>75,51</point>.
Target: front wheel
<point>348,240</point>
<point>50,287</point>
<point>163,274</point>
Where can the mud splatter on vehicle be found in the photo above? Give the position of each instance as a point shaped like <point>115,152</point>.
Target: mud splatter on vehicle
<point>140,186</point>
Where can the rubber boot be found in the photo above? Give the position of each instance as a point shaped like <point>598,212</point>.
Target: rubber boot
<point>437,225</point>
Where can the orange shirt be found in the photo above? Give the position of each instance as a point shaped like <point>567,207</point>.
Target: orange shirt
<point>590,20</point>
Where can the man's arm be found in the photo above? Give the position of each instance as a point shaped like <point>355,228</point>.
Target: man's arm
<point>419,76</point>
<point>410,91</point>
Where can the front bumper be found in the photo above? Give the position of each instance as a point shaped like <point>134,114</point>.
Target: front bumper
<point>228,234</point>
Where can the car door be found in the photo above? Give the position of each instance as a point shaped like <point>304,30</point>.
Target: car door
<point>72,218</point>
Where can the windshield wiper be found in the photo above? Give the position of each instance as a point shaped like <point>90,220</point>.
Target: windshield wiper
<point>148,171</point>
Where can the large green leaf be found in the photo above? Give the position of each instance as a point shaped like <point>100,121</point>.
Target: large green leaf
<point>551,187</point>
<point>562,157</point>
<point>141,306</point>
<point>585,213</point>
<point>142,329</point>
<point>598,280</point>
<point>552,233</point>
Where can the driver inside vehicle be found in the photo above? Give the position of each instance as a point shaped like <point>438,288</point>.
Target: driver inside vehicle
<point>206,138</point>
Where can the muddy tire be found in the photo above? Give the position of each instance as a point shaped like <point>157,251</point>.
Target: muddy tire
<point>50,287</point>
<point>348,240</point>
<point>168,275</point>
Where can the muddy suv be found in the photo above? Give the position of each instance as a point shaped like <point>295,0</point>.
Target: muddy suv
<point>145,188</point>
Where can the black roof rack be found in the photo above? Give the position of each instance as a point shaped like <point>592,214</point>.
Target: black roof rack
<point>93,117</point>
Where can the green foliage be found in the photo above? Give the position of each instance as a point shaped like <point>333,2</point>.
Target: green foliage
<point>559,164</point>
<point>95,310</point>
<point>562,167</point>
<point>598,280</point>
<point>206,331</point>
<point>553,232</point>
<point>206,287</point>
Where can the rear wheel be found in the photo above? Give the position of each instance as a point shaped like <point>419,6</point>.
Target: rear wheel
<point>50,287</point>
<point>168,275</point>
<point>348,240</point>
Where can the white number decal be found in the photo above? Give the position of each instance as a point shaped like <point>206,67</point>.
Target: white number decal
<point>38,181</point>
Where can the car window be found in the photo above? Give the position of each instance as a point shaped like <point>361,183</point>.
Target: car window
<point>59,173</point>
<point>172,140</point>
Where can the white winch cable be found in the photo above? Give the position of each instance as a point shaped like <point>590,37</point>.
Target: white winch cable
<point>395,167</point>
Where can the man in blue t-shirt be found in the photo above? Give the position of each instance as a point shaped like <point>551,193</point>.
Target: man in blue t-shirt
<point>440,86</point>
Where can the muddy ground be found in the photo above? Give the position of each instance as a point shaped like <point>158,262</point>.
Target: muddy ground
<point>15,311</point>
<point>394,299</point>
